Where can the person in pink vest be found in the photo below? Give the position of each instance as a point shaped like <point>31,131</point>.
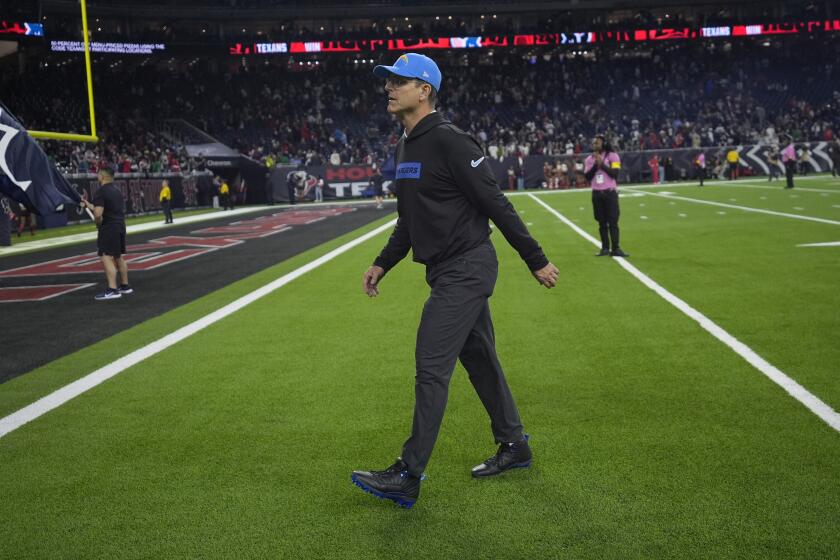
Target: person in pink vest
<point>653,163</point>
<point>601,170</point>
<point>789,160</point>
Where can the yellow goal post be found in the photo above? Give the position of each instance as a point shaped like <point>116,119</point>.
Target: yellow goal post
<point>49,135</point>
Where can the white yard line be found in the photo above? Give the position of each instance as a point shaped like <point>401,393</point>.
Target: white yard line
<point>91,380</point>
<point>588,190</point>
<point>826,244</point>
<point>794,389</point>
<point>679,184</point>
<point>796,178</point>
<point>781,189</point>
<point>744,208</point>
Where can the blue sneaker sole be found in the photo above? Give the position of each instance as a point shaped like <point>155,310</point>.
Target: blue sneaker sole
<point>399,500</point>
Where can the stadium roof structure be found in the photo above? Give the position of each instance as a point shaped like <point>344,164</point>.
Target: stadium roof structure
<point>365,8</point>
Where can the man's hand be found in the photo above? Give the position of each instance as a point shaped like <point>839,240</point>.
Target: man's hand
<point>599,160</point>
<point>547,275</point>
<point>371,279</point>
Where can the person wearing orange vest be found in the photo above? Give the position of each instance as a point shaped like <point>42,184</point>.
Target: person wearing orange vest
<point>166,201</point>
<point>224,194</point>
<point>733,159</point>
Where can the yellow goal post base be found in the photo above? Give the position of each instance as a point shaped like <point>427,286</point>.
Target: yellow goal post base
<point>69,136</point>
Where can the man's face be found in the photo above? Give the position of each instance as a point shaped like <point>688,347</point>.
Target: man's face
<point>597,144</point>
<point>103,177</point>
<point>403,94</point>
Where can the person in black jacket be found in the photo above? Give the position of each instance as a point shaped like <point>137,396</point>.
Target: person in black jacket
<point>446,192</point>
<point>376,182</point>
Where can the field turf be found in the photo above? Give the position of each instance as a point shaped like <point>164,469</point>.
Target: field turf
<point>652,439</point>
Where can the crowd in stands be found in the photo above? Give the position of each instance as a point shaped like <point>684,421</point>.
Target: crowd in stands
<point>127,146</point>
<point>129,142</point>
<point>516,101</point>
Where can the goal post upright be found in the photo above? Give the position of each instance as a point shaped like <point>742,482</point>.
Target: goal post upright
<point>48,135</point>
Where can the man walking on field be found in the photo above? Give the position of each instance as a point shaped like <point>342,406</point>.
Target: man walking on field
<point>108,208</point>
<point>446,193</point>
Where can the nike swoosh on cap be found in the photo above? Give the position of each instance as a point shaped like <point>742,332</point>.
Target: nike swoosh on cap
<point>475,162</point>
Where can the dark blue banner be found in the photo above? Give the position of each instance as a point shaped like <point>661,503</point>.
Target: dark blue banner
<point>29,176</point>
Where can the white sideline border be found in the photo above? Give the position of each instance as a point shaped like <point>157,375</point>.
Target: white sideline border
<point>794,389</point>
<point>738,207</point>
<point>678,184</point>
<point>91,380</point>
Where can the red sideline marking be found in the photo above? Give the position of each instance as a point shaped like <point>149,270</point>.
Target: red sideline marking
<point>38,293</point>
<point>184,241</point>
<point>154,254</point>
<point>267,225</point>
<point>90,263</point>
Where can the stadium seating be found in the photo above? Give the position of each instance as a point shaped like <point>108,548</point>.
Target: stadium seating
<point>546,101</point>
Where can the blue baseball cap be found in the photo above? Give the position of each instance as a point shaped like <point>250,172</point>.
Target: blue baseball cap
<point>412,65</point>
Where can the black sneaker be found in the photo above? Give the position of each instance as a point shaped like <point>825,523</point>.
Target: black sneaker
<point>394,483</point>
<point>125,289</point>
<point>619,253</point>
<point>514,455</point>
<point>109,293</point>
<point>603,253</point>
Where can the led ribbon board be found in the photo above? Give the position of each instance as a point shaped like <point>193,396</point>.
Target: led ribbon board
<point>535,40</point>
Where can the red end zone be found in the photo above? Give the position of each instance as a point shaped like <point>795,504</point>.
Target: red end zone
<point>159,252</point>
<point>38,293</point>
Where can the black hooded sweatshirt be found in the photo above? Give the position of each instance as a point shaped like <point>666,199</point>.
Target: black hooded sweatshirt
<point>446,193</point>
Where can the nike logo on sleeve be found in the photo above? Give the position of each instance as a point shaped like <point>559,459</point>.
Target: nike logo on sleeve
<point>475,162</point>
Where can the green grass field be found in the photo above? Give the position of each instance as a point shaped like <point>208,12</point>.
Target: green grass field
<point>652,439</point>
